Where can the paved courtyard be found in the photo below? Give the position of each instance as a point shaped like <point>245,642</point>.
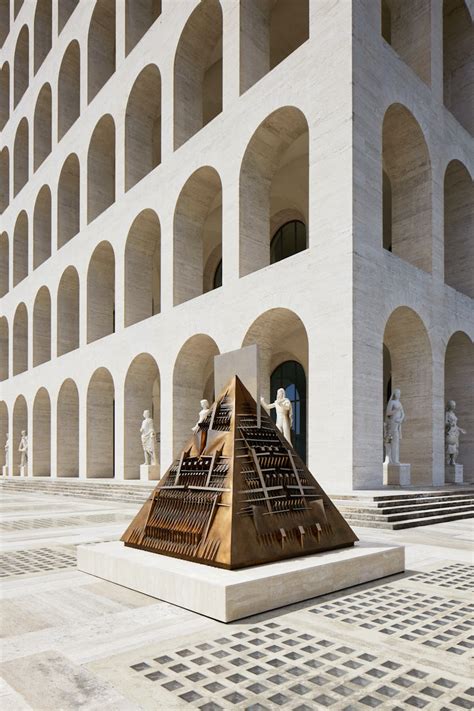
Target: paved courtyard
<point>70,641</point>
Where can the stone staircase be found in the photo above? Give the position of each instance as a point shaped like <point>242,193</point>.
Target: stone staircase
<point>406,509</point>
<point>101,489</point>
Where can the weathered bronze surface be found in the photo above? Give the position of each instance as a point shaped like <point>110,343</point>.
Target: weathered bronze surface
<point>239,495</point>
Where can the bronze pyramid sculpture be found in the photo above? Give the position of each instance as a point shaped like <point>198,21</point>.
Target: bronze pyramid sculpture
<point>239,495</point>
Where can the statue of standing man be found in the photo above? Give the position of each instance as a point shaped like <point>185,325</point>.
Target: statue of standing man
<point>148,434</point>
<point>452,432</point>
<point>284,413</point>
<point>23,449</point>
<point>394,416</point>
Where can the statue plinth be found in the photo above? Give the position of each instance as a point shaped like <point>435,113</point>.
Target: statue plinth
<point>454,474</point>
<point>149,472</point>
<point>24,470</point>
<point>396,474</point>
<point>5,470</point>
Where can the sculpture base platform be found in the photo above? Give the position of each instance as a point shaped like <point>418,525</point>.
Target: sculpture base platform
<point>24,470</point>
<point>454,474</point>
<point>396,474</point>
<point>228,595</point>
<point>149,472</point>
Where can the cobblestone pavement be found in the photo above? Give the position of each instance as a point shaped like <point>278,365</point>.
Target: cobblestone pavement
<point>71,641</point>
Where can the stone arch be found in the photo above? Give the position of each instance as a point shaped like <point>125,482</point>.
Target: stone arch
<point>100,425</point>
<point>197,232</point>
<point>459,386</point>
<point>69,88</point>
<point>21,73</point>
<point>69,200</point>
<point>458,61</point>
<point>193,379</point>
<point>141,392</point>
<point>41,458</point>
<point>43,32</point>
<point>20,424</point>
<point>4,264</point>
<point>143,126</point>
<point>42,227</point>
<point>198,71</point>
<point>4,179</point>
<point>101,168</point>
<point>65,10</point>
<point>100,47</point>
<point>42,327</point>
<point>406,26</point>
<point>270,30</point>
<point>4,345</point>
<point>42,126</point>
<point>20,156</point>
<point>20,248</point>
<point>459,228</point>
<point>68,312</point>
<point>101,292</point>
<point>139,17</point>
<point>410,358</point>
<point>274,179</point>
<point>20,340</point>
<point>3,433</point>
<point>4,94</point>
<point>143,268</point>
<point>67,430</point>
<point>406,161</point>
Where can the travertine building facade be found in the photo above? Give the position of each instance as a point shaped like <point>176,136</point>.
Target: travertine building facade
<point>181,178</point>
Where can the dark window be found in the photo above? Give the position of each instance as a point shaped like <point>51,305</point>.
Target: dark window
<point>217,276</point>
<point>289,239</point>
<point>291,376</point>
<point>387,216</point>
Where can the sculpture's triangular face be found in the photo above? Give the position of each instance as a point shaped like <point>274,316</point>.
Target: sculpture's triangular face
<point>239,495</point>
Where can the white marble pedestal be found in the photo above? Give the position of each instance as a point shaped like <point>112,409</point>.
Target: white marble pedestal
<point>149,472</point>
<point>24,470</point>
<point>228,595</point>
<point>454,474</point>
<point>396,474</point>
<point>5,470</point>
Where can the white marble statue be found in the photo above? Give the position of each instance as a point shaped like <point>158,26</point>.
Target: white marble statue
<point>203,413</point>
<point>394,417</point>
<point>23,449</point>
<point>7,447</point>
<point>452,432</point>
<point>284,413</point>
<point>148,434</point>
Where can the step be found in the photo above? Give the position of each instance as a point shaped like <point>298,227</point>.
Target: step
<point>404,495</point>
<point>411,523</point>
<point>410,515</point>
<point>405,509</point>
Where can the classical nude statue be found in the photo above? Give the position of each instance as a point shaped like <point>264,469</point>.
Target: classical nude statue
<point>148,434</point>
<point>23,449</point>
<point>452,432</point>
<point>394,417</point>
<point>203,413</point>
<point>284,412</point>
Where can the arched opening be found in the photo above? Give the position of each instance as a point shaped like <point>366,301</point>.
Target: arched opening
<point>142,392</point>
<point>459,228</point>
<point>65,10</point>
<point>407,165</point>
<point>67,430</point>
<point>42,227</point>
<point>69,89</point>
<point>42,126</point>
<point>143,268</point>
<point>101,168</point>
<point>4,179</point>
<point>4,344</point>
<point>283,362</point>
<point>68,312</point>
<point>43,31</point>
<point>20,424</point>
<point>42,434</point>
<point>143,126</point>
<point>386,212</point>
<point>197,239</point>
<point>20,157</point>
<point>458,61</point>
<point>406,26</point>
<point>3,434</point>
<point>270,30</point>
<point>4,264</point>
<point>68,200</point>
<point>100,425</point>
<point>193,380</point>
<point>139,17</point>
<point>20,248</point>
<point>20,340</point>
<point>101,293</point>
<point>42,327</point>
<point>4,94</point>
<point>409,358</point>
<point>17,5</point>
<point>100,47</point>
<point>274,184</point>
<point>459,386</point>
<point>21,66</point>
<point>198,71</point>
<point>4,20</point>
<point>289,239</point>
